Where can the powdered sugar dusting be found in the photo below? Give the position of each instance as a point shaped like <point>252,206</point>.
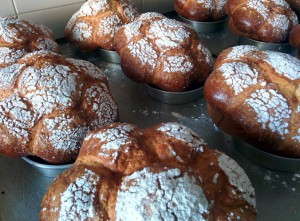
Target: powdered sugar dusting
<point>92,7</point>
<point>10,34</point>
<point>284,64</point>
<point>16,116</point>
<point>270,13</point>
<point>144,51</point>
<point>184,134</point>
<point>114,139</point>
<point>238,178</point>
<point>89,68</point>
<point>238,76</point>
<point>109,25</point>
<point>77,201</point>
<point>97,21</point>
<point>9,74</point>
<point>145,195</point>
<point>63,136</point>
<point>167,33</point>
<point>10,55</point>
<point>103,105</point>
<point>132,29</point>
<point>49,87</point>
<point>272,110</point>
<point>82,31</point>
<point>177,64</point>
<point>297,137</point>
<point>240,51</point>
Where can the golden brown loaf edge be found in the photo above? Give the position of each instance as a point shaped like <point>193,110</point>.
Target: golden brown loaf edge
<point>294,38</point>
<point>205,10</point>
<point>295,5</point>
<point>265,20</point>
<point>255,95</point>
<point>48,103</point>
<point>165,172</point>
<point>96,22</point>
<point>162,52</point>
<point>18,37</point>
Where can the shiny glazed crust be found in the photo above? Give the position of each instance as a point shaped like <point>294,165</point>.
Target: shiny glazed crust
<point>262,20</point>
<point>162,52</point>
<point>203,10</point>
<point>160,173</point>
<point>96,23</point>
<point>256,95</point>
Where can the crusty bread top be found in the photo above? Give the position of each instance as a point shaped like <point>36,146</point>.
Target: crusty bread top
<point>259,92</point>
<point>18,37</point>
<point>160,173</point>
<point>262,20</point>
<point>201,10</point>
<point>48,103</point>
<point>96,22</point>
<point>163,52</point>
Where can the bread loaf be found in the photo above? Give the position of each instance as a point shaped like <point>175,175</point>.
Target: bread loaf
<point>201,10</point>
<point>263,20</point>
<point>96,22</point>
<point>294,38</point>
<point>255,95</point>
<point>162,52</point>
<point>18,37</point>
<point>48,104</point>
<point>165,172</point>
<point>295,5</point>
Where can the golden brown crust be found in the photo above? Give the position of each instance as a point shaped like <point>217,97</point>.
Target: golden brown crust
<point>96,22</point>
<point>162,52</point>
<point>255,95</point>
<point>294,38</point>
<point>266,20</point>
<point>205,10</point>
<point>130,172</point>
<point>18,37</point>
<point>48,103</point>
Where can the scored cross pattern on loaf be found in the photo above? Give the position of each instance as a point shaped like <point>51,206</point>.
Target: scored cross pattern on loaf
<point>162,52</point>
<point>256,95</point>
<point>48,104</point>
<point>96,22</point>
<point>165,172</point>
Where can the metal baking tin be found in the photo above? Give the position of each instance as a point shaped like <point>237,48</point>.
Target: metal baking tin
<point>109,56</point>
<point>264,46</point>
<point>266,159</point>
<point>206,27</point>
<point>48,170</point>
<point>173,97</point>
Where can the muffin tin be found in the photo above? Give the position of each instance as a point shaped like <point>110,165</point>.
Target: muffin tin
<point>264,46</point>
<point>173,97</point>
<point>206,27</point>
<point>266,159</point>
<point>45,169</point>
<point>109,56</point>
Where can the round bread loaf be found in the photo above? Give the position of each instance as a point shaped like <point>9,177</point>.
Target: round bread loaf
<point>294,38</point>
<point>162,52</point>
<point>263,20</point>
<point>165,172</point>
<point>48,104</point>
<point>18,37</point>
<point>295,4</point>
<point>255,95</point>
<point>201,10</point>
<point>96,22</point>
